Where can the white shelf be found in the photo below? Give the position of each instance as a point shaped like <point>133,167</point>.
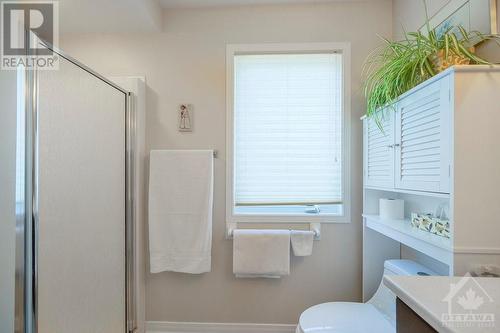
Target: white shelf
<point>437,247</point>
<point>420,193</point>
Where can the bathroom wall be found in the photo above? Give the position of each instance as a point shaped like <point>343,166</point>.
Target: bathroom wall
<point>410,15</point>
<point>186,64</point>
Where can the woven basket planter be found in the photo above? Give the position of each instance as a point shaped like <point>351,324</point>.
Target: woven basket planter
<point>440,62</point>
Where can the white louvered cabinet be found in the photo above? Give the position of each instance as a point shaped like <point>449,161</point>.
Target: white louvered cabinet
<point>445,157</point>
<point>411,149</point>
<point>422,148</point>
<point>379,151</point>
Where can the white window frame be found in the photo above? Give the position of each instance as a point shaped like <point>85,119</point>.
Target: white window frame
<point>233,50</point>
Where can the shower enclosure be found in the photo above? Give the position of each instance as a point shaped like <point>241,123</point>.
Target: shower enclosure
<point>66,201</point>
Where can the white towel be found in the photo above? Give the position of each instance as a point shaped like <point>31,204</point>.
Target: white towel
<point>302,242</point>
<point>261,253</point>
<point>180,210</point>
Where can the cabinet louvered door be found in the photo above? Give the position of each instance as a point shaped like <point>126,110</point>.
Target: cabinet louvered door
<point>379,151</point>
<point>423,139</point>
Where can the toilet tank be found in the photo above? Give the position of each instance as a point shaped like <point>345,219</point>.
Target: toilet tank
<point>384,299</point>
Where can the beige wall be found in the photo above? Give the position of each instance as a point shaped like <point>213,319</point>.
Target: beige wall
<point>186,64</point>
<point>410,15</point>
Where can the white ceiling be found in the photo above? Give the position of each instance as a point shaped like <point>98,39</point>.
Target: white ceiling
<point>217,3</point>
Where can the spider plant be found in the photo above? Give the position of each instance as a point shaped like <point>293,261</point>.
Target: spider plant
<point>398,66</point>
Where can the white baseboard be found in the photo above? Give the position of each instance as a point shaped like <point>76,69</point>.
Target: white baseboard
<point>183,327</point>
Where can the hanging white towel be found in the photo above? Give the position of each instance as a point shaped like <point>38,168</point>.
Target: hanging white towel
<point>180,210</point>
<point>302,242</point>
<point>261,253</point>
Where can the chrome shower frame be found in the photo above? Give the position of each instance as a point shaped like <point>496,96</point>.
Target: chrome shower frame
<point>27,223</point>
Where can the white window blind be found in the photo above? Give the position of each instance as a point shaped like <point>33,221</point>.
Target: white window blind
<point>288,129</point>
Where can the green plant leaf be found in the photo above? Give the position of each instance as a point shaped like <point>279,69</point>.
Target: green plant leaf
<point>446,46</point>
<point>397,66</point>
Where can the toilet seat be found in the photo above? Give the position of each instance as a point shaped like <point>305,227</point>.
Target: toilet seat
<point>343,317</point>
<point>377,315</point>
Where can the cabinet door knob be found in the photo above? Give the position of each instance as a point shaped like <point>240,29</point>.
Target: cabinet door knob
<point>390,146</point>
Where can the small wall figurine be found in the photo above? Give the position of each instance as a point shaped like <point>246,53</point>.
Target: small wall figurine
<point>185,114</point>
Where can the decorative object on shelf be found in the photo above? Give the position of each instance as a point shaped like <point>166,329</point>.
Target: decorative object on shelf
<point>185,118</point>
<point>429,223</point>
<point>441,61</point>
<point>442,211</point>
<point>398,66</point>
<point>392,209</point>
<point>477,15</point>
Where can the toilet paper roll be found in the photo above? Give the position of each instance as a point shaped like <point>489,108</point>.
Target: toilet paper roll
<point>392,209</point>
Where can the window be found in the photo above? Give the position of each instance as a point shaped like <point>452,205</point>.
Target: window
<point>287,133</point>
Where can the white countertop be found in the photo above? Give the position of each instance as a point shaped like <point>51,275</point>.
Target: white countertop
<point>428,296</point>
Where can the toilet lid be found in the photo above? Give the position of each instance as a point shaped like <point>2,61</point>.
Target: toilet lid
<point>344,317</point>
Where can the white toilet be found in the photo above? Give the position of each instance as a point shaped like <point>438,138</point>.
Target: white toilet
<point>378,315</point>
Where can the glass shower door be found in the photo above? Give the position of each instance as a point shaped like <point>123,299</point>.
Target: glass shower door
<point>9,90</point>
<point>66,203</point>
<point>81,230</point>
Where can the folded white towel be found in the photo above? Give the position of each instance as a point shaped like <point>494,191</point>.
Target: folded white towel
<point>302,242</point>
<point>261,253</point>
<point>180,210</point>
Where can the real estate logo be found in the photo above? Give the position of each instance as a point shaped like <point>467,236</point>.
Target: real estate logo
<point>26,28</point>
<point>469,305</point>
